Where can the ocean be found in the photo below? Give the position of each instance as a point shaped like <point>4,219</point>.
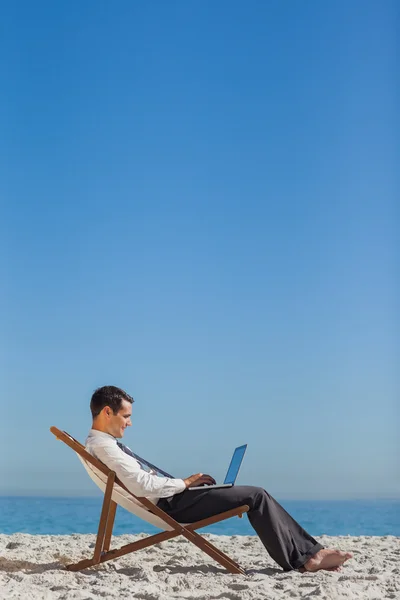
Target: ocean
<point>57,516</point>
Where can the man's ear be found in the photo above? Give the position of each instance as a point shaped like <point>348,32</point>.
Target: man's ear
<point>107,411</point>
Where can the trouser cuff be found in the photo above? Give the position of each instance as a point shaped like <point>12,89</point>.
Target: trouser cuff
<point>300,562</point>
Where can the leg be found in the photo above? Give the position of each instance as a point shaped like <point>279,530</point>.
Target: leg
<point>110,525</point>
<point>105,511</point>
<point>286,542</point>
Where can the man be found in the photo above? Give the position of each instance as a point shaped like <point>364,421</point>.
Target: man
<point>286,542</point>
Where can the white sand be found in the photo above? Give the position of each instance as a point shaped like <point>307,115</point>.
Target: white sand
<point>32,567</point>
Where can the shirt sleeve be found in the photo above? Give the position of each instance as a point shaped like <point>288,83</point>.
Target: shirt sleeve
<point>137,480</point>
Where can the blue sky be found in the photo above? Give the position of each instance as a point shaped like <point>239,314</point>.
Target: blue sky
<point>198,205</point>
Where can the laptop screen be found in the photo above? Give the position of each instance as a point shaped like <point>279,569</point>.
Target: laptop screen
<point>235,464</point>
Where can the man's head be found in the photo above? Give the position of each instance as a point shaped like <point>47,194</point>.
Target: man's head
<point>111,410</point>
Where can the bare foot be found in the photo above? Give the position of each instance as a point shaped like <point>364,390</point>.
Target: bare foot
<point>336,569</point>
<point>330,560</point>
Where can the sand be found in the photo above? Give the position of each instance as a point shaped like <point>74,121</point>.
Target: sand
<point>33,567</point>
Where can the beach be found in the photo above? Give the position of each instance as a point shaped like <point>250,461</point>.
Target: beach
<point>32,567</point>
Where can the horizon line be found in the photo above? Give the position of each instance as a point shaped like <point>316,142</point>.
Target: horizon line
<point>281,498</point>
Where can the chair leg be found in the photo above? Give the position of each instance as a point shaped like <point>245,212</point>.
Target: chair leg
<point>224,556</point>
<point>110,525</point>
<point>216,519</point>
<point>219,556</point>
<point>209,549</point>
<point>105,512</point>
<point>127,549</point>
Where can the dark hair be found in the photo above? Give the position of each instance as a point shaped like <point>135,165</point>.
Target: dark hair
<point>108,395</point>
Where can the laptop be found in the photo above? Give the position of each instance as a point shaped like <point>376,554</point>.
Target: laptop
<point>231,475</point>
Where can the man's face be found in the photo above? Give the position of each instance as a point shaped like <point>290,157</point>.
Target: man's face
<point>116,424</point>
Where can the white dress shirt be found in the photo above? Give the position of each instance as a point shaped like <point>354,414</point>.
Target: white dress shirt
<point>103,446</point>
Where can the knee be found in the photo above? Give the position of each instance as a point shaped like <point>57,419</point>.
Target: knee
<point>257,496</point>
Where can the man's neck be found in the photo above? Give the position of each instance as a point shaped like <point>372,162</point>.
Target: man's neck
<point>100,427</point>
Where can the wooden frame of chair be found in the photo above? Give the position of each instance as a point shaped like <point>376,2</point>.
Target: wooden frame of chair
<point>102,552</point>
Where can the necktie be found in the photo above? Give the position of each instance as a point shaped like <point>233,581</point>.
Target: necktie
<point>142,461</point>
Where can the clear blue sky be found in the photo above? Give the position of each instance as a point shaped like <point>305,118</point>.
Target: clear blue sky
<point>198,205</point>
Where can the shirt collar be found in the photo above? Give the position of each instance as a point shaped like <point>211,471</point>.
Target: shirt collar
<point>101,434</point>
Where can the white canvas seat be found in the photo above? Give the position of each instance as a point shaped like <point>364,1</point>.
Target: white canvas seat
<point>124,498</point>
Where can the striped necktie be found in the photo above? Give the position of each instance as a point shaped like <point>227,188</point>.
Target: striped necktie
<point>143,463</point>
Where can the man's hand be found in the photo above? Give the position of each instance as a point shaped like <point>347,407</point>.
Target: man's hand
<point>199,479</point>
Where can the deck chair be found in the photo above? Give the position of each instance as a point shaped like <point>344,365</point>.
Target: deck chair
<point>115,492</point>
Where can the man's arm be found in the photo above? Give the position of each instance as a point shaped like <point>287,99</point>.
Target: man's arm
<point>138,481</point>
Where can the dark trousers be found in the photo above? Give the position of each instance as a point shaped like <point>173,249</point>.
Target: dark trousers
<point>285,541</point>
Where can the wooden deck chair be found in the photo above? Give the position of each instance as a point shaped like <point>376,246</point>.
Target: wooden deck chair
<point>115,492</point>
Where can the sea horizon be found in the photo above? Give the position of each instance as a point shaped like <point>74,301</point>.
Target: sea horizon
<point>63,515</point>
<point>279,498</point>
